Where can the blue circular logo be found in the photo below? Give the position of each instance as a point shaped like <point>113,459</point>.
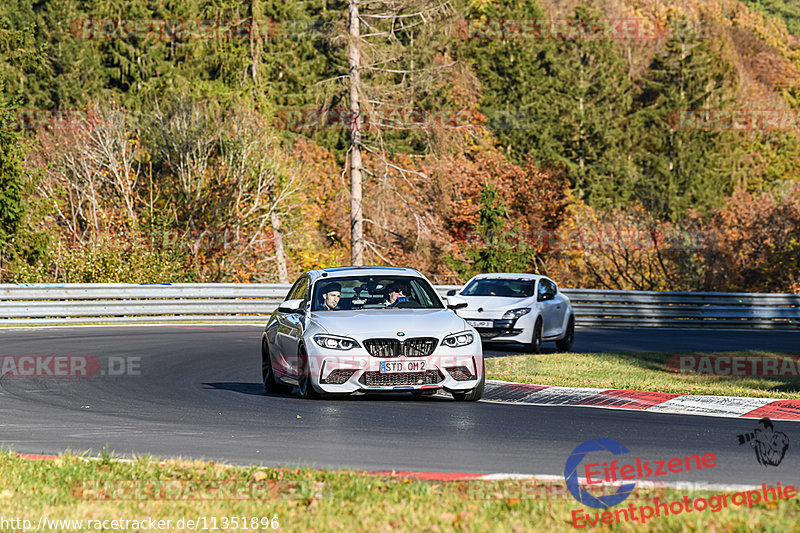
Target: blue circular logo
<point>401,334</point>
<point>571,474</point>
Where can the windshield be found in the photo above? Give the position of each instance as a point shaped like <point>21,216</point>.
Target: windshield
<point>374,292</point>
<point>507,288</point>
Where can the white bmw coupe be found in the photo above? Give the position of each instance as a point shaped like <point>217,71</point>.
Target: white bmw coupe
<point>518,308</point>
<point>369,329</point>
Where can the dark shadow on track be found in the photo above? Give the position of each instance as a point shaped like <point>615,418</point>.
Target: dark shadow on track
<point>503,350</point>
<point>256,389</point>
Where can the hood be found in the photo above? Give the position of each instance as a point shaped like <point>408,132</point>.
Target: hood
<point>493,306</point>
<point>387,322</point>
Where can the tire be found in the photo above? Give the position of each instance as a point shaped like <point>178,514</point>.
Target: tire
<point>535,345</point>
<point>271,383</point>
<point>475,394</point>
<point>564,344</point>
<point>307,390</point>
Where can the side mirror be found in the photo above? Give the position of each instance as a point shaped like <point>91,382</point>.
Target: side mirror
<point>544,297</point>
<point>451,292</point>
<point>292,306</point>
<point>456,303</point>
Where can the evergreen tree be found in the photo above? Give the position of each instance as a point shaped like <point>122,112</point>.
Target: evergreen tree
<point>590,98</point>
<point>12,183</point>
<point>680,167</point>
<point>493,252</point>
<point>514,73</point>
<point>567,98</point>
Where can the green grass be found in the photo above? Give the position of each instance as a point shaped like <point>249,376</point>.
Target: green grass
<point>640,371</point>
<point>321,500</point>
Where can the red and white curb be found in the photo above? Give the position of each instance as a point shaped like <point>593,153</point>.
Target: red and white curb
<point>558,480</point>
<point>657,402</point>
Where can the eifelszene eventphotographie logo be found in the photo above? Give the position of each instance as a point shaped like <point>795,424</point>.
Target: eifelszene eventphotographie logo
<point>770,447</point>
<point>571,474</point>
<point>637,469</point>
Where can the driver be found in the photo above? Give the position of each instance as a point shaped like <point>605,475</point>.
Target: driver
<point>394,295</point>
<point>330,296</point>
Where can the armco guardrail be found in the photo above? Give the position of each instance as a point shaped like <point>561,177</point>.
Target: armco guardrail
<point>132,302</point>
<point>250,302</point>
<point>684,309</point>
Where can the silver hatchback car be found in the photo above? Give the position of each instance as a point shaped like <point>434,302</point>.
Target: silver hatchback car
<point>370,329</point>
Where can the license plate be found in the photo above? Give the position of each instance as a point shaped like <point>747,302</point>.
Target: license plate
<point>480,323</point>
<point>395,367</point>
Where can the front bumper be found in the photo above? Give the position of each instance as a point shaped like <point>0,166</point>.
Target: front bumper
<point>503,330</point>
<point>361,372</point>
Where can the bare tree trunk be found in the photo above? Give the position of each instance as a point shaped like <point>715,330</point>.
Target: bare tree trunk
<point>274,219</point>
<point>277,239</point>
<point>254,12</point>
<point>356,215</point>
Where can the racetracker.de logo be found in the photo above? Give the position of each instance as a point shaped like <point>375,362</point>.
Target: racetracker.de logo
<point>760,366</point>
<point>734,119</point>
<point>562,29</point>
<point>67,366</point>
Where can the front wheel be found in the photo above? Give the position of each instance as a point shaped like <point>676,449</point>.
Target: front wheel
<point>536,341</point>
<point>564,344</point>
<point>307,390</point>
<point>475,394</point>
<point>271,383</point>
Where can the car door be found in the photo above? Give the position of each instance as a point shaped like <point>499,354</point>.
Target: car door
<point>290,328</point>
<point>550,307</point>
<point>561,311</point>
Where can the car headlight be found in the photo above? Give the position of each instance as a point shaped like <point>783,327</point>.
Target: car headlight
<point>332,342</point>
<point>458,339</point>
<point>516,313</point>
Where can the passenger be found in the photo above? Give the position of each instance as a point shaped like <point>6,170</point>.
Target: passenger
<point>394,295</point>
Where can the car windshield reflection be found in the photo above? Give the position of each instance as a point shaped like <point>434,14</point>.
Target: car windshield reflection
<point>374,292</point>
<point>507,288</point>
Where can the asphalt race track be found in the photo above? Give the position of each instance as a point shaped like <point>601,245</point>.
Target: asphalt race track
<point>195,391</point>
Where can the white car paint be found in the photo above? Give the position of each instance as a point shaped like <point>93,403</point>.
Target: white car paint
<point>486,312</point>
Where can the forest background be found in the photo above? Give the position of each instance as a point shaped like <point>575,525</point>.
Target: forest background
<point>161,141</point>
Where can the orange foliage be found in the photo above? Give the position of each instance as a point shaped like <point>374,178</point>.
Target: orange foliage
<point>756,243</point>
<point>535,199</point>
